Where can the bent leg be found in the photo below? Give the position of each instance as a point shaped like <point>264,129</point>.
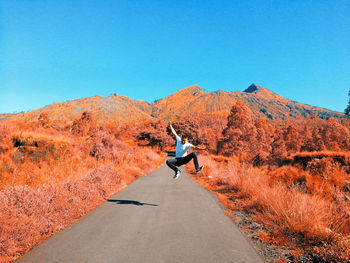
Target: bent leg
<point>171,163</point>
<point>189,157</point>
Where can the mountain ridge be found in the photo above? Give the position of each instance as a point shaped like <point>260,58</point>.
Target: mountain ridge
<point>193,99</point>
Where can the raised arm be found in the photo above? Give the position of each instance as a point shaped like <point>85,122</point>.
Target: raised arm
<point>198,147</point>
<point>173,131</point>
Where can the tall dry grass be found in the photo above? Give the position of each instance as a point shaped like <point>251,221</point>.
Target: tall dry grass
<point>58,178</point>
<point>308,217</point>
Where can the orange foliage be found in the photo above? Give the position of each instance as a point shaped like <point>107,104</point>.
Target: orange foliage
<point>307,216</point>
<point>293,174</point>
<point>50,178</point>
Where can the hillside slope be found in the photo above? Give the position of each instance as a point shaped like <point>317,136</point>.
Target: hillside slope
<point>260,100</point>
<point>263,103</point>
<point>111,108</point>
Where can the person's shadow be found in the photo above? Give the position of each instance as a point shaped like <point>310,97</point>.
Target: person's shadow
<point>129,202</point>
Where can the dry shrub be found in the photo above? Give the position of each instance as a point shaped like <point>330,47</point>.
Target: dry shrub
<point>332,252</point>
<point>323,166</point>
<point>317,223</point>
<point>31,214</point>
<point>288,175</point>
<point>73,172</point>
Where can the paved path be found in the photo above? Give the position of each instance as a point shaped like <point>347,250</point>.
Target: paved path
<point>155,219</point>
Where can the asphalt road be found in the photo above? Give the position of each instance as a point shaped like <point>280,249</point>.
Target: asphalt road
<point>155,219</point>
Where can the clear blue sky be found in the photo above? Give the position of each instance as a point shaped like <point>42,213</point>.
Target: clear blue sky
<point>53,51</point>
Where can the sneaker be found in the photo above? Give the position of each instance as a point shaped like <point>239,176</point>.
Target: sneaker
<point>177,175</point>
<point>200,169</point>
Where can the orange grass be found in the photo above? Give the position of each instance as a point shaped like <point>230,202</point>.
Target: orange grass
<point>309,218</point>
<point>39,197</point>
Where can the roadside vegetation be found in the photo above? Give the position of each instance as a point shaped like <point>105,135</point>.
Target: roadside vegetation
<point>50,177</point>
<point>292,176</point>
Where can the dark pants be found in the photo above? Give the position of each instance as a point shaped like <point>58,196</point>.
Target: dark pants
<point>173,163</point>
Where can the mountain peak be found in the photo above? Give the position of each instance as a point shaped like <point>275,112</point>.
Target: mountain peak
<point>194,89</point>
<point>264,93</point>
<point>254,88</point>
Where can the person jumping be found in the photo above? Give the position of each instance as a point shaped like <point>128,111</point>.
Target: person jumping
<point>182,145</point>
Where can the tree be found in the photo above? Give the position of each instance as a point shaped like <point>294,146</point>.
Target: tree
<point>86,125</point>
<point>265,135</point>
<point>335,135</point>
<point>191,127</point>
<point>278,152</point>
<point>291,138</point>
<point>153,133</point>
<point>310,137</point>
<point>347,110</point>
<point>203,129</point>
<point>240,135</point>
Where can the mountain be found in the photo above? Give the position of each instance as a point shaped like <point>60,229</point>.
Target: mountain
<point>262,101</point>
<point>112,108</point>
<point>264,93</point>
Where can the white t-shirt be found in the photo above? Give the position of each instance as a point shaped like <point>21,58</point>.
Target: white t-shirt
<point>181,149</point>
